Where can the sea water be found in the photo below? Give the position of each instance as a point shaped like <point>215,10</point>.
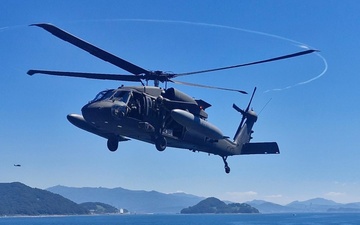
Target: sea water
<point>223,219</point>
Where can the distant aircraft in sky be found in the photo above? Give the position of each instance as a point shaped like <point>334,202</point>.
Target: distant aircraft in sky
<point>17,165</point>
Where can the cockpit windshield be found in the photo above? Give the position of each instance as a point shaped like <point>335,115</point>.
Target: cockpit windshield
<point>103,95</point>
<point>122,96</point>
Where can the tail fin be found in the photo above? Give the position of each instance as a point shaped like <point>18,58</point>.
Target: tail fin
<point>243,133</point>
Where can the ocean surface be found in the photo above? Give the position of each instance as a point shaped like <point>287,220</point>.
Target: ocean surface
<point>241,219</point>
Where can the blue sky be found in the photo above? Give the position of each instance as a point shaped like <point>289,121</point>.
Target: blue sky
<point>315,124</point>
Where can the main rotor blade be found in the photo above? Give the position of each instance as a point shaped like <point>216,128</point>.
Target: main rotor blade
<point>252,96</point>
<point>99,76</point>
<point>205,86</point>
<point>106,56</point>
<point>249,64</point>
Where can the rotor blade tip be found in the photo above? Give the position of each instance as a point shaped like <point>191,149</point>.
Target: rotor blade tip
<point>35,24</point>
<point>30,72</point>
<point>313,50</point>
<point>42,25</point>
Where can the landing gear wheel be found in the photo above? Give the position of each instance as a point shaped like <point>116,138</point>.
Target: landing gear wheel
<point>112,144</point>
<point>160,143</point>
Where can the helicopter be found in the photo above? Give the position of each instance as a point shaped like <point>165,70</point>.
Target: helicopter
<point>165,117</point>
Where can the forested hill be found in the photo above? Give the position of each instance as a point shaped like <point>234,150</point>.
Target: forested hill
<point>214,205</point>
<point>18,199</point>
<point>100,208</point>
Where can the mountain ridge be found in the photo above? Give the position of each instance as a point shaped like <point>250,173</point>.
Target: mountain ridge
<point>138,201</point>
<point>314,205</point>
<point>18,199</point>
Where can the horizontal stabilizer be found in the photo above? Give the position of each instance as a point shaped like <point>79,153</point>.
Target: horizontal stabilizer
<point>260,148</point>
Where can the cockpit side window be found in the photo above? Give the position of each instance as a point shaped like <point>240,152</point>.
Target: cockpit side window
<point>136,105</point>
<point>122,96</point>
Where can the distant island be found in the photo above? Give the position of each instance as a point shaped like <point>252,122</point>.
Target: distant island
<point>215,206</point>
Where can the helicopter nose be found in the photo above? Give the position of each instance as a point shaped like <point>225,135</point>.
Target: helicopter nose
<point>97,113</point>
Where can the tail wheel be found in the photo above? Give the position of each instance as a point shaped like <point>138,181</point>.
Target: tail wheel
<point>112,144</point>
<point>227,169</point>
<point>160,143</point>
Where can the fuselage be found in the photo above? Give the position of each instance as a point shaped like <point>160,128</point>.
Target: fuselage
<point>140,112</point>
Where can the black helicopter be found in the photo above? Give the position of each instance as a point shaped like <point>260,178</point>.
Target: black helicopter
<point>164,117</point>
